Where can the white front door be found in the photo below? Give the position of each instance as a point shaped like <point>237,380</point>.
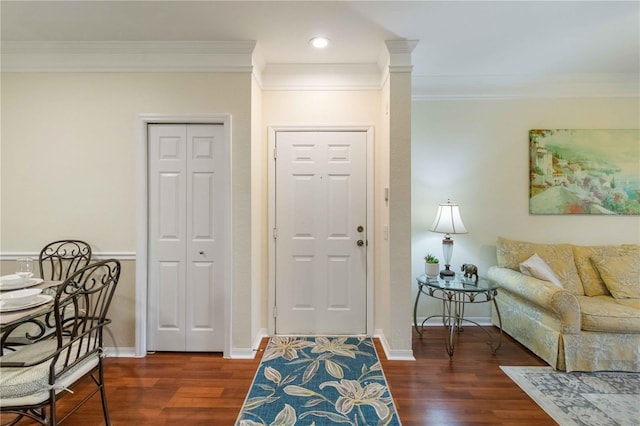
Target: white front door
<point>187,230</point>
<point>321,219</point>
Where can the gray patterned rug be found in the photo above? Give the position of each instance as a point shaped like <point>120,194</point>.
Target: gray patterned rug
<point>589,399</point>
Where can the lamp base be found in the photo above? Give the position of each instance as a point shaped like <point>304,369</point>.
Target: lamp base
<point>446,272</point>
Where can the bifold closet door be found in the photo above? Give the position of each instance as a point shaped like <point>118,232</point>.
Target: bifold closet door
<point>188,189</point>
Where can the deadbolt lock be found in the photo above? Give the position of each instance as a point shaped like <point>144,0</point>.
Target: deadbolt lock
<point>360,228</point>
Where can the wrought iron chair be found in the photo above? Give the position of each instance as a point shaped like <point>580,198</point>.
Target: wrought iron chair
<point>33,377</point>
<point>57,261</point>
<point>60,259</point>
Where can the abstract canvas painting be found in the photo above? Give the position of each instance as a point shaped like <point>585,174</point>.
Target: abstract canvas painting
<point>584,171</point>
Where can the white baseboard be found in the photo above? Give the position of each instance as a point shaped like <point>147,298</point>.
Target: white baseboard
<point>249,353</point>
<point>236,353</point>
<point>113,352</point>
<point>393,354</point>
<point>242,353</point>
<point>262,333</point>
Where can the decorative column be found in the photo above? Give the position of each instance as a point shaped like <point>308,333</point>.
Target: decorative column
<point>398,333</point>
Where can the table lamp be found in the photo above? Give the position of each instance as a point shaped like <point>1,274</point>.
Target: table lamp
<point>448,221</point>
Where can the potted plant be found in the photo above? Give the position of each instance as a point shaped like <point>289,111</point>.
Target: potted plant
<point>431,266</point>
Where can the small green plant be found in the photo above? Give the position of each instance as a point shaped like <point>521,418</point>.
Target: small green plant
<point>431,259</point>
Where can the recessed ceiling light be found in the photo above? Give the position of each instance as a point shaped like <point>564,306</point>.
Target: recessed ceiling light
<point>319,42</point>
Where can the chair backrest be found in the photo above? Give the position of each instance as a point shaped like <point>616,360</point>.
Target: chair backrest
<point>59,259</point>
<point>81,304</point>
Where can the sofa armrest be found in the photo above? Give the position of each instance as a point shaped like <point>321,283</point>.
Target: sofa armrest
<point>542,293</point>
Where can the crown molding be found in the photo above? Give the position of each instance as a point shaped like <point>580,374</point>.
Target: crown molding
<point>245,56</point>
<point>174,56</point>
<point>321,77</point>
<point>525,86</point>
<point>94,47</point>
<point>396,56</point>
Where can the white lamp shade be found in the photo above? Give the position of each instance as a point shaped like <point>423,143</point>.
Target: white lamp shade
<point>448,220</point>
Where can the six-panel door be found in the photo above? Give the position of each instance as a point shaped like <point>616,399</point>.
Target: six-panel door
<point>321,232</point>
<point>187,225</point>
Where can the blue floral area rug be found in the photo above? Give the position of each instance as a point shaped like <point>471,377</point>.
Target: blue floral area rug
<point>319,381</point>
<point>587,399</point>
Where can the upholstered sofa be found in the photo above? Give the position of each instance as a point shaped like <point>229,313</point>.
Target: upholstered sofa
<point>588,320</point>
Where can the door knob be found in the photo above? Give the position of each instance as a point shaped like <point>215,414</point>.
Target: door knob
<point>360,243</point>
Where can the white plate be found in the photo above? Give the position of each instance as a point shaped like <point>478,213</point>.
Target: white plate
<point>19,297</point>
<point>30,283</point>
<point>38,300</point>
<point>13,279</point>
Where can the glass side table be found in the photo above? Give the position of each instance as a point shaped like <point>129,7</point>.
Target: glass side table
<point>455,293</point>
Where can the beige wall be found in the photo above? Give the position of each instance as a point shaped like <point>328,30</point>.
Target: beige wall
<point>476,153</point>
<point>82,128</point>
<point>120,334</point>
<point>309,107</point>
<point>77,135</point>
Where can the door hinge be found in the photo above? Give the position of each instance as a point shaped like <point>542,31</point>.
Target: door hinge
<point>275,153</point>
<point>275,233</point>
<point>275,311</point>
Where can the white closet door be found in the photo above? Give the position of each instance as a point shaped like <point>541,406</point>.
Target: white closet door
<point>188,178</point>
<point>321,233</point>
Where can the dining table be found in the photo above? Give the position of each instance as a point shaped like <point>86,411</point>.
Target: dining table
<point>33,317</point>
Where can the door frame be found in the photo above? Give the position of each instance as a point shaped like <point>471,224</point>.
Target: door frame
<point>142,222</point>
<point>272,131</point>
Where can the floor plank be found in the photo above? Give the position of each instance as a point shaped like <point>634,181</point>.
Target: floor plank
<point>206,389</point>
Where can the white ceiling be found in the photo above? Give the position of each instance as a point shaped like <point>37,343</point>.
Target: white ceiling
<point>456,38</point>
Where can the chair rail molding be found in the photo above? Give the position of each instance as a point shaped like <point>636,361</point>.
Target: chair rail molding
<point>119,255</point>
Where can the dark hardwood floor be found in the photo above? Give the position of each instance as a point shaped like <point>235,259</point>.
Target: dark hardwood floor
<point>205,389</point>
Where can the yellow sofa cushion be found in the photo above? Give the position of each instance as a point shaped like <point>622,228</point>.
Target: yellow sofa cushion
<point>633,303</point>
<point>606,314</point>
<point>559,257</point>
<point>621,275</point>
<point>591,280</point>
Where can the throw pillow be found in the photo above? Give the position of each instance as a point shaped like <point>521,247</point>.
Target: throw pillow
<point>559,257</point>
<point>591,279</point>
<point>621,275</point>
<point>536,267</point>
